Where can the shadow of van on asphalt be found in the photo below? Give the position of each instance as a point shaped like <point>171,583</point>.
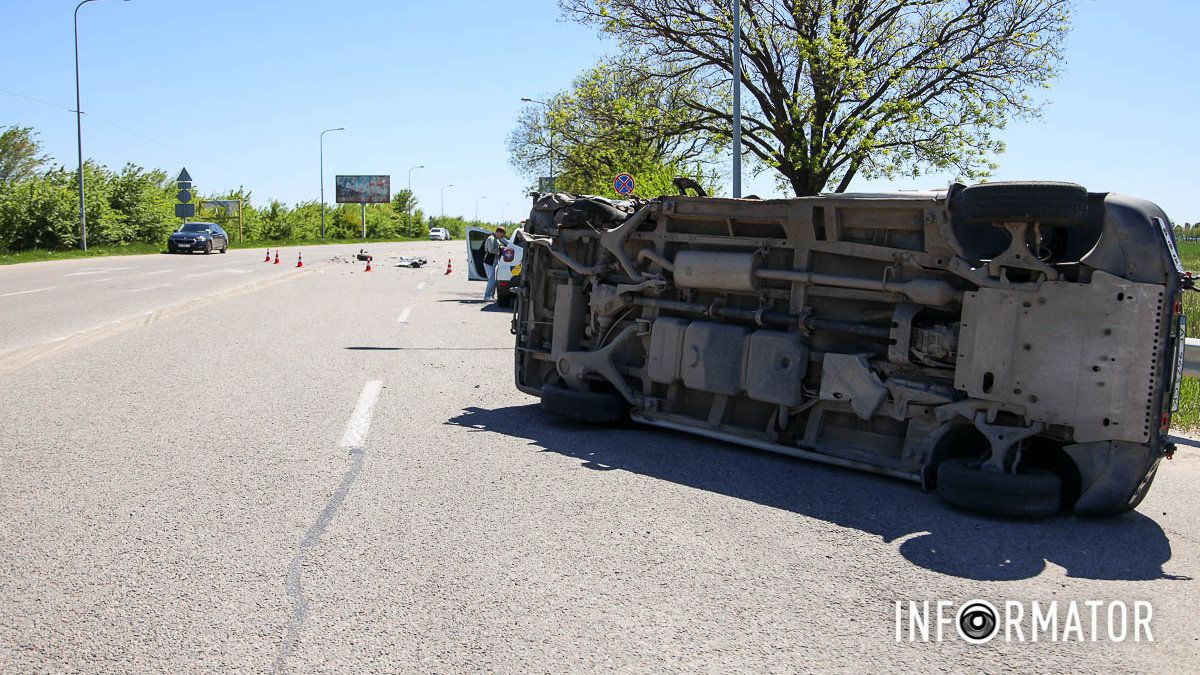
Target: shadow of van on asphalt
<point>1131,547</point>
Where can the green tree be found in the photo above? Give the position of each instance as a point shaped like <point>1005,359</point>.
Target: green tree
<point>613,120</point>
<point>835,90</point>
<point>404,202</point>
<point>146,201</point>
<point>21,155</point>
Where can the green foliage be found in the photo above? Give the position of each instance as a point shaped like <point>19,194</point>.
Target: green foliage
<point>834,90</point>
<point>615,118</point>
<point>20,154</point>
<point>42,212</point>
<point>39,211</point>
<point>403,203</point>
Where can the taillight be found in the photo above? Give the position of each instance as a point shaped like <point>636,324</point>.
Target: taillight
<point>508,255</point>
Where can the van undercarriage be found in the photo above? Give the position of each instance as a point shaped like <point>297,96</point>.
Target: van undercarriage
<point>1012,345</point>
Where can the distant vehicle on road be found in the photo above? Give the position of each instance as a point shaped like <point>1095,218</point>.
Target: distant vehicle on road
<point>439,234</point>
<point>191,237</point>
<point>508,266</point>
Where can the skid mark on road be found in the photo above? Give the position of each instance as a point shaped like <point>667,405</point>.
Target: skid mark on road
<point>353,439</point>
<point>32,290</point>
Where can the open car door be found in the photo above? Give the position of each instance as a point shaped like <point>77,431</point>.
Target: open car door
<point>475,238</point>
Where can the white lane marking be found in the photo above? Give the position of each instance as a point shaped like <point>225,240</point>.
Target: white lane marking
<point>90,272</point>
<point>151,288</point>
<point>360,420</point>
<point>421,286</point>
<point>94,281</point>
<point>214,272</point>
<point>158,272</point>
<point>404,314</point>
<point>32,290</point>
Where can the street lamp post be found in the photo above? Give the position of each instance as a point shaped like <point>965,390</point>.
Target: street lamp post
<point>79,134</point>
<point>410,175</point>
<point>444,199</point>
<point>323,177</point>
<point>549,134</point>
<point>737,99</point>
<point>477,198</point>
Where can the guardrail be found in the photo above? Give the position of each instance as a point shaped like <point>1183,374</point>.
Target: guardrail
<point>1191,358</point>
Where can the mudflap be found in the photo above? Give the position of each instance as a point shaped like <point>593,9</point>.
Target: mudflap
<point>1114,476</point>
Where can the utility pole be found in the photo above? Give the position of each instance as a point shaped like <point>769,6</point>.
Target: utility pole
<point>737,98</point>
<point>549,135</point>
<point>444,199</point>
<point>477,198</point>
<point>323,178</point>
<point>79,134</point>
<point>410,175</point>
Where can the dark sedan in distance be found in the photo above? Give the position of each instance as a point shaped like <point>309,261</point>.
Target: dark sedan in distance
<point>207,237</point>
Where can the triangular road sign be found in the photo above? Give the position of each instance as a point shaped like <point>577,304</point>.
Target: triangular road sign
<point>184,176</point>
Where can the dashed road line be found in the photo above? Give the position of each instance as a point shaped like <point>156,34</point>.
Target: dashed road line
<point>148,274</point>
<point>151,288</point>
<point>353,439</point>
<point>92,271</point>
<point>404,314</point>
<point>32,290</point>
<point>360,420</point>
<point>421,286</point>
<point>215,272</point>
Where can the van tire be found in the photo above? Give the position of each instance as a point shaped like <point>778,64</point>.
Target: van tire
<point>1045,202</point>
<point>1030,493</point>
<point>594,407</point>
<point>504,298</point>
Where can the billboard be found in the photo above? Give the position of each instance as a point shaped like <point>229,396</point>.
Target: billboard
<point>364,189</point>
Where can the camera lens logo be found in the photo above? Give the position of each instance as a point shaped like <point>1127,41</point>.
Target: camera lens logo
<point>977,622</point>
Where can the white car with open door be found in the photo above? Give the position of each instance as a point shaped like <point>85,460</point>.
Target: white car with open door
<point>508,266</point>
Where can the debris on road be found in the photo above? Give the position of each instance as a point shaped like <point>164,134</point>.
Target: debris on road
<point>414,263</point>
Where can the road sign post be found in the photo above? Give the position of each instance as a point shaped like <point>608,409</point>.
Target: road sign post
<point>184,209</point>
<point>623,184</point>
<point>228,205</point>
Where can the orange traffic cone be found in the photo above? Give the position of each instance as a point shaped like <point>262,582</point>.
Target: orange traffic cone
<point>268,258</point>
<point>276,256</point>
<point>300,260</point>
<point>449,267</point>
<point>368,265</point>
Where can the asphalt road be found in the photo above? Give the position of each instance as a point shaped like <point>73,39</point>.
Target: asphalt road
<point>211,463</point>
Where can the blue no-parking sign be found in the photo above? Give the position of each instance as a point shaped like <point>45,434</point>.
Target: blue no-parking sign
<point>623,184</point>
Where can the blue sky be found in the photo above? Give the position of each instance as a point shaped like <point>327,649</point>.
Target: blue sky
<point>238,91</point>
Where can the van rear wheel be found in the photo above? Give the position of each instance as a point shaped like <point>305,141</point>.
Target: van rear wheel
<point>1032,492</point>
